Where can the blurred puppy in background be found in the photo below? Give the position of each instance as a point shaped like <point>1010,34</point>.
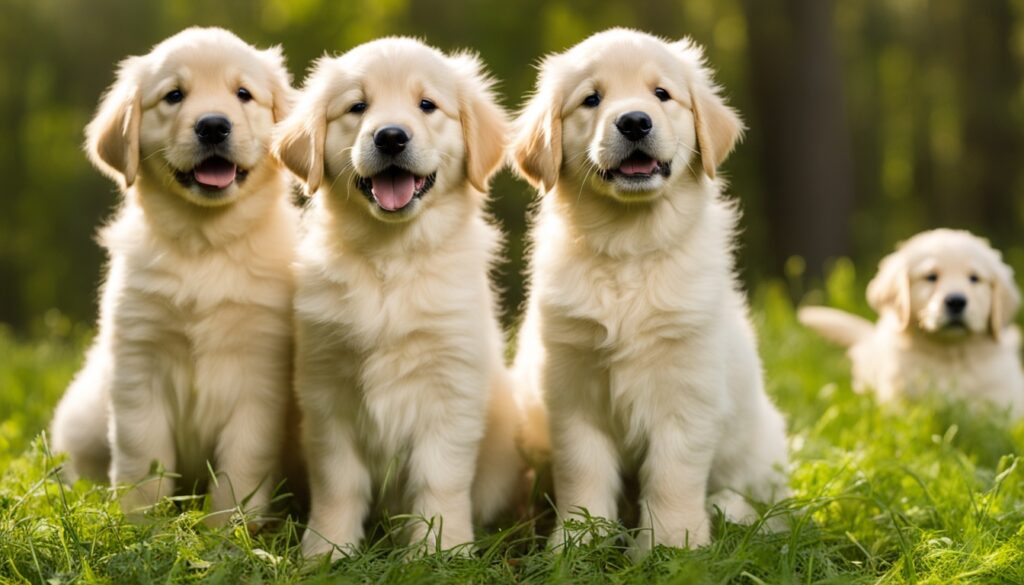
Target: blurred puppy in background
<point>636,349</point>
<point>400,372</point>
<point>191,367</point>
<point>946,303</point>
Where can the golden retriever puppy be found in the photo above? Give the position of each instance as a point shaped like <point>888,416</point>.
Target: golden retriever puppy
<point>946,304</point>
<point>192,361</point>
<point>636,342</point>
<point>399,352</point>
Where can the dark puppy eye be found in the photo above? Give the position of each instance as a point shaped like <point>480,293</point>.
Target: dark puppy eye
<point>932,277</point>
<point>358,108</point>
<point>592,100</point>
<point>975,279</point>
<point>661,94</point>
<point>244,95</point>
<point>427,106</point>
<point>174,96</point>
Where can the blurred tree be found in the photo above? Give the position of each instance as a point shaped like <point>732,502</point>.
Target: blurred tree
<point>803,139</point>
<point>868,121</point>
<point>988,90</point>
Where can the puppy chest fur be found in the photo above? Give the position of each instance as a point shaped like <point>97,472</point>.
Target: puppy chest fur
<point>201,329</point>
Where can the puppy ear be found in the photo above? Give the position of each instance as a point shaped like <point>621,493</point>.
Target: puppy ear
<point>890,289</point>
<point>299,144</point>
<point>484,122</point>
<point>112,137</point>
<point>1005,300</point>
<point>299,140</point>
<point>537,146</point>
<point>280,82</point>
<point>718,127</point>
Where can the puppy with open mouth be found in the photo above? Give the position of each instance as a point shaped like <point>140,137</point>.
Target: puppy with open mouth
<point>192,360</point>
<point>400,371</point>
<point>636,343</point>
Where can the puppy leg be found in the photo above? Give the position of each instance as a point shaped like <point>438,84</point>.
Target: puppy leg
<point>441,469</point>
<point>585,469</point>
<point>141,432</point>
<point>585,466</point>
<point>500,471</point>
<point>247,457</point>
<point>673,485</point>
<point>340,486</point>
<point>751,463</point>
<point>242,383</point>
<point>80,423</point>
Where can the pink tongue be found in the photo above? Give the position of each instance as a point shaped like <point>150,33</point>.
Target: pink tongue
<point>215,172</point>
<point>393,191</point>
<point>638,167</point>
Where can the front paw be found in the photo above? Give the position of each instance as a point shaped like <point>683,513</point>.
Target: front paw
<point>314,545</point>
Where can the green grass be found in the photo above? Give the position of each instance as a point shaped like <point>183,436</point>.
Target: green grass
<point>924,493</point>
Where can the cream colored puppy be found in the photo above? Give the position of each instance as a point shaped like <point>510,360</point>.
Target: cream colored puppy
<point>946,304</point>
<point>192,359</point>
<point>399,350</point>
<point>636,337</point>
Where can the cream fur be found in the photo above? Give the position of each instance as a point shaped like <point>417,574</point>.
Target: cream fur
<point>636,346</point>
<point>192,361</point>
<point>913,349</point>
<point>400,370</point>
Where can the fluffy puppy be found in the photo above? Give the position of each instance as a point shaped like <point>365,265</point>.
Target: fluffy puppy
<point>192,361</point>
<point>399,357</point>
<point>636,341</point>
<point>946,304</point>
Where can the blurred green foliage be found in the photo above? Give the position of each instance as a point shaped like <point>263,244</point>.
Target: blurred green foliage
<point>932,97</point>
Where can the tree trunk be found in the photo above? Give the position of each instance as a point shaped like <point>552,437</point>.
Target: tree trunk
<point>800,129</point>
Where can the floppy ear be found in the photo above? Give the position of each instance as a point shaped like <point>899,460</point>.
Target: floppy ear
<point>299,140</point>
<point>112,137</point>
<point>280,82</point>
<point>537,146</point>
<point>717,126</point>
<point>1005,300</point>
<point>890,288</point>
<point>484,123</point>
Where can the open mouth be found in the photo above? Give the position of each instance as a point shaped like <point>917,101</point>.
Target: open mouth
<point>638,166</point>
<point>394,188</point>
<point>213,175</point>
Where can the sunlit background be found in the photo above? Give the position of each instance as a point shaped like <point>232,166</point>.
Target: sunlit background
<point>867,120</point>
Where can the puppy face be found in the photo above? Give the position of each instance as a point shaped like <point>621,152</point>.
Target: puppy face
<point>395,124</point>
<point>946,283</point>
<point>625,115</point>
<point>195,115</point>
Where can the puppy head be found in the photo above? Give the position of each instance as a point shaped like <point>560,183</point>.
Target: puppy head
<point>627,115</point>
<point>195,115</point>
<point>946,283</point>
<point>398,123</point>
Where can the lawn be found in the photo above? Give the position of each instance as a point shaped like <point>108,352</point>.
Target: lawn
<point>925,493</point>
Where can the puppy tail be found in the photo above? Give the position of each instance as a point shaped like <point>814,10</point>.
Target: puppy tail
<point>834,325</point>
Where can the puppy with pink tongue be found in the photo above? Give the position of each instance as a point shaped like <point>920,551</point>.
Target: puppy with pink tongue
<point>215,173</point>
<point>394,190</point>
<point>399,366</point>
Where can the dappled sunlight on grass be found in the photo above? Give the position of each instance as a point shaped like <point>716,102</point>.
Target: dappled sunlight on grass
<point>924,492</point>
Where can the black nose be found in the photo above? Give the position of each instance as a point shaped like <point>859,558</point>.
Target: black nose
<point>956,303</point>
<point>634,125</point>
<point>213,129</point>
<point>391,139</point>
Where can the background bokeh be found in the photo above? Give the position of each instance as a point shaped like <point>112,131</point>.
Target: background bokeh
<point>868,120</point>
